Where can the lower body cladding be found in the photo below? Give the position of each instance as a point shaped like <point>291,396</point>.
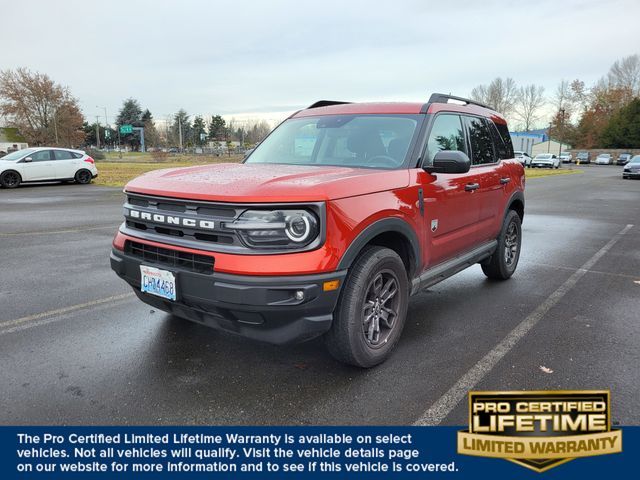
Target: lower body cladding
<point>273,309</point>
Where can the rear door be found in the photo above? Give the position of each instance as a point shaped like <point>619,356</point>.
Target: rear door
<point>451,205</point>
<point>65,164</point>
<point>486,155</point>
<point>39,168</point>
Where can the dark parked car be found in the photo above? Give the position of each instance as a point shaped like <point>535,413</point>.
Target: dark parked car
<point>623,159</point>
<point>632,169</point>
<point>583,157</point>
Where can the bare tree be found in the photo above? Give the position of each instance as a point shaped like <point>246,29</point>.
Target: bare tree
<point>43,111</point>
<point>500,94</point>
<point>563,99</point>
<point>528,103</point>
<point>625,74</point>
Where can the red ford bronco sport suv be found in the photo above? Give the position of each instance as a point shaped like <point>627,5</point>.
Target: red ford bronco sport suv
<point>330,225</point>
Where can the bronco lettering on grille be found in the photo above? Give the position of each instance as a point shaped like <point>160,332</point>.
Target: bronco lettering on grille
<point>172,220</point>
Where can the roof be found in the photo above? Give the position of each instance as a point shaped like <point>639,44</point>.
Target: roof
<point>400,108</point>
<point>397,108</point>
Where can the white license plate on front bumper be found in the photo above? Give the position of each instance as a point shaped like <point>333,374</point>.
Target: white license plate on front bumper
<point>161,283</point>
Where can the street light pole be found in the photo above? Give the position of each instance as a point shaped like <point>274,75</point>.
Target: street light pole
<point>55,125</point>
<point>97,132</point>
<point>106,120</point>
<point>561,130</point>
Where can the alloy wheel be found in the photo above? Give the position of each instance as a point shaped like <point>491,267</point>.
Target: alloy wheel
<point>380,309</point>
<point>511,244</point>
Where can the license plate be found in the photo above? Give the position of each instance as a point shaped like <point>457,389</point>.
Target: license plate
<point>161,283</point>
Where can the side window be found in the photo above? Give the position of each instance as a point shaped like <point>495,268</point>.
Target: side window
<point>502,140</point>
<point>446,134</point>
<point>76,155</point>
<point>62,155</point>
<point>41,156</point>
<point>481,141</point>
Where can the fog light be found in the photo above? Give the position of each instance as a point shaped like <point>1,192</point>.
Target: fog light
<point>299,295</point>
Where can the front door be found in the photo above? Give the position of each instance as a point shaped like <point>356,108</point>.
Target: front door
<point>451,206</point>
<point>40,166</point>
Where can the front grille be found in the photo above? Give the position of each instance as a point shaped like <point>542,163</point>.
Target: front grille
<point>170,258</point>
<point>158,208</point>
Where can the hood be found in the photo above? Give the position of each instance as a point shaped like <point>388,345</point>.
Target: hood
<point>231,182</point>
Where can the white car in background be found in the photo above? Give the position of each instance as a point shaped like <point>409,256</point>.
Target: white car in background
<point>522,157</point>
<point>604,159</point>
<point>545,160</point>
<point>44,164</point>
<point>566,157</point>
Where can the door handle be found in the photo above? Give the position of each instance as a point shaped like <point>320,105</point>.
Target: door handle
<point>470,187</point>
<point>505,180</point>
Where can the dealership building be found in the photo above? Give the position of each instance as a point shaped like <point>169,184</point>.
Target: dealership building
<point>534,142</point>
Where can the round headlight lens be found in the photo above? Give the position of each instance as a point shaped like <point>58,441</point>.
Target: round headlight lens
<point>298,228</point>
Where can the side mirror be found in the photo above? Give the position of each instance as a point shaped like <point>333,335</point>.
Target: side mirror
<point>449,161</point>
<point>28,159</point>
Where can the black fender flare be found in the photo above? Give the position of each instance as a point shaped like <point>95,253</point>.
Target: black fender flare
<point>517,195</point>
<point>385,225</point>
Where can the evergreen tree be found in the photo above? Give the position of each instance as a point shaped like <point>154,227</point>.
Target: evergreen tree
<point>199,131</point>
<point>623,129</point>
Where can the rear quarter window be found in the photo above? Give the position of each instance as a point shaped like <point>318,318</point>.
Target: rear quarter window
<point>502,139</point>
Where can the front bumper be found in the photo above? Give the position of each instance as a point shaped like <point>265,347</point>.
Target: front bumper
<point>542,165</point>
<point>258,307</point>
<point>631,174</point>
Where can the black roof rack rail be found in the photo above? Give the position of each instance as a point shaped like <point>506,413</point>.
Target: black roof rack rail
<point>326,103</point>
<point>444,98</point>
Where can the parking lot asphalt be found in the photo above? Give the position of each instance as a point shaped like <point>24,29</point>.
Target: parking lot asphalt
<point>76,347</point>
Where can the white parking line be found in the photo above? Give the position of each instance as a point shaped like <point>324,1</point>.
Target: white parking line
<point>437,412</point>
<point>61,311</point>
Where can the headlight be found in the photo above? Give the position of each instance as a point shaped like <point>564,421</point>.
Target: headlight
<point>277,228</point>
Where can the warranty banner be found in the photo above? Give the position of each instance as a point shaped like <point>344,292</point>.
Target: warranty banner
<point>540,429</point>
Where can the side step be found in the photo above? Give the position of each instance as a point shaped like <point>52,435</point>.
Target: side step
<point>446,269</point>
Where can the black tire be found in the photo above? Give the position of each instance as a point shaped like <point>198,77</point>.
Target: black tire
<point>83,176</point>
<point>362,307</point>
<point>10,179</point>
<point>502,264</point>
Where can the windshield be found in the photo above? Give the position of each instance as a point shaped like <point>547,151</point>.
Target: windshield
<point>367,141</point>
<point>635,159</point>
<point>604,155</point>
<point>12,157</point>
<point>544,156</point>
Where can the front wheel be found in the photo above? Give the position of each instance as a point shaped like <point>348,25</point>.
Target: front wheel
<point>372,309</point>
<point>503,262</point>
<point>10,179</point>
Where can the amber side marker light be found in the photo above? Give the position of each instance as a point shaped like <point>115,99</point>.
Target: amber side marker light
<point>330,285</point>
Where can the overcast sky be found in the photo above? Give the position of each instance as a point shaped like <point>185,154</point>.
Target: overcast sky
<point>248,57</point>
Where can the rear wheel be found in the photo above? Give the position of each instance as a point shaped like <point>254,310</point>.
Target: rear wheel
<point>83,176</point>
<point>10,179</point>
<point>372,309</point>
<point>504,260</point>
